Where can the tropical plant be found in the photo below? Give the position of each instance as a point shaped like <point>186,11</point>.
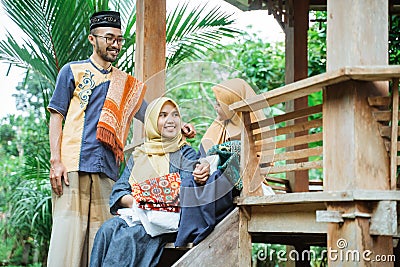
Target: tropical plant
<point>30,218</point>
<point>25,192</point>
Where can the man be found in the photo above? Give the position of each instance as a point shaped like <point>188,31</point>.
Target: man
<point>97,102</point>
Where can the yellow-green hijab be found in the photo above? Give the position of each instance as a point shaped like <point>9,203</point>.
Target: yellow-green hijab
<point>227,93</point>
<point>152,158</point>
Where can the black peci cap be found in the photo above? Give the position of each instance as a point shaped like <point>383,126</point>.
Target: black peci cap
<point>105,19</point>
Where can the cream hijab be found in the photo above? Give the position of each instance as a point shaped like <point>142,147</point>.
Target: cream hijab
<point>227,93</point>
<point>151,159</point>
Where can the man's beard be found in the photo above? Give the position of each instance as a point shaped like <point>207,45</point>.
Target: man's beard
<point>105,56</point>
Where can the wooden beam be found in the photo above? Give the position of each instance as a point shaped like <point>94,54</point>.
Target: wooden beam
<point>297,154</point>
<point>305,112</point>
<point>297,61</point>
<point>382,115</point>
<point>321,197</point>
<point>293,218</point>
<point>394,135</point>
<point>151,45</point>
<point>289,129</point>
<point>379,101</point>
<point>386,131</point>
<point>353,235</point>
<point>292,167</point>
<point>290,91</point>
<point>348,124</point>
<point>305,139</point>
<point>150,52</point>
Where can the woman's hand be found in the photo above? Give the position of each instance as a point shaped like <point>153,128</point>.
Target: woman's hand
<point>126,201</point>
<point>202,172</point>
<point>188,130</point>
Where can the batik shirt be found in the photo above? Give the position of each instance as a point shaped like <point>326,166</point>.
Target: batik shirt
<point>79,95</point>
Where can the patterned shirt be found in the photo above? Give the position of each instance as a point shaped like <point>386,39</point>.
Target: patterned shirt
<point>79,95</point>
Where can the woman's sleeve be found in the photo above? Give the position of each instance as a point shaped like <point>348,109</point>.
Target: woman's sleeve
<point>188,160</point>
<point>121,187</point>
<point>202,153</point>
<point>139,115</point>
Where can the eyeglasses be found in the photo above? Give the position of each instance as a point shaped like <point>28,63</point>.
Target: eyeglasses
<point>112,40</point>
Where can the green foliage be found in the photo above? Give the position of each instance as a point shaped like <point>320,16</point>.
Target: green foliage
<point>190,34</point>
<point>25,194</point>
<point>394,40</point>
<point>23,134</point>
<point>30,215</point>
<point>317,44</point>
<point>32,95</point>
<point>6,245</point>
<point>7,134</point>
<point>316,65</point>
<point>259,63</point>
<point>9,165</point>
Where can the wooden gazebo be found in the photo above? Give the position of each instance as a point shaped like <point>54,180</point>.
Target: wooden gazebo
<point>355,211</point>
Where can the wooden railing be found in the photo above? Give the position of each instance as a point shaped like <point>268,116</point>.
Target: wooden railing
<point>269,152</point>
<point>286,133</point>
<point>385,110</point>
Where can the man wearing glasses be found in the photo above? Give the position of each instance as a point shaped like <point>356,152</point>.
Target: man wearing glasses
<point>97,102</point>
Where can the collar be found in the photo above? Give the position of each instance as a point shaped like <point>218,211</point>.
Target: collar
<point>98,66</point>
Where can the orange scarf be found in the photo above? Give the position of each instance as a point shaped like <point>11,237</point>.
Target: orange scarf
<point>124,98</point>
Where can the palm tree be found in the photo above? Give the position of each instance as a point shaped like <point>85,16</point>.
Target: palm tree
<point>56,33</point>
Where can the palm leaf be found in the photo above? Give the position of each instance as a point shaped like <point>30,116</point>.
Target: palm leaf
<point>190,34</point>
<point>54,34</point>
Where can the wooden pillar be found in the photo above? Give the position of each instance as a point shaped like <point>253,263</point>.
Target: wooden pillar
<point>150,50</point>
<point>244,240</point>
<point>249,162</point>
<point>250,172</point>
<point>354,158</point>
<point>296,61</point>
<point>296,68</point>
